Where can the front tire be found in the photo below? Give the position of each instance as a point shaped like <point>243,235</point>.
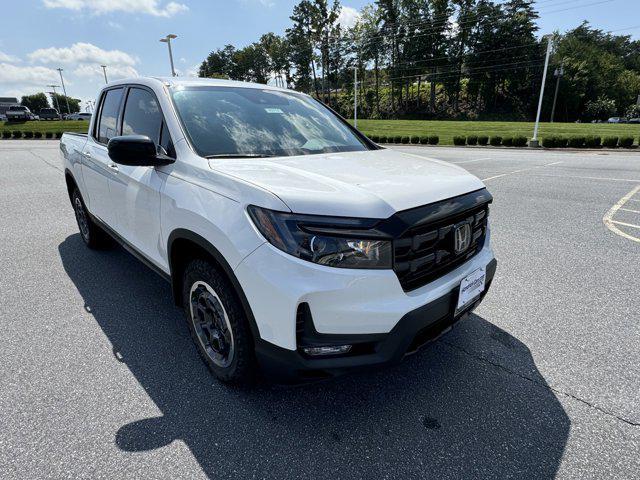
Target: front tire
<point>217,322</point>
<point>92,235</point>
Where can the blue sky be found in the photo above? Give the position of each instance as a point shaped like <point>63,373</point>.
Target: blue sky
<point>38,36</point>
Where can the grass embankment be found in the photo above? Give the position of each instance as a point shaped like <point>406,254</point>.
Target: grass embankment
<point>46,126</point>
<point>446,130</point>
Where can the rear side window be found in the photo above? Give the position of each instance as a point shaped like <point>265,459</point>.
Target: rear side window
<point>142,115</point>
<point>109,115</point>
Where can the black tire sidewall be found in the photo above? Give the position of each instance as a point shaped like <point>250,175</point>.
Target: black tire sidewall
<point>242,367</point>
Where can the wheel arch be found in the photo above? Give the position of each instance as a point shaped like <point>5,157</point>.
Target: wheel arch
<point>185,245</point>
<point>70,181</point>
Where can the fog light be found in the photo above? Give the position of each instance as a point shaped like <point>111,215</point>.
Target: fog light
<point>327,350</point>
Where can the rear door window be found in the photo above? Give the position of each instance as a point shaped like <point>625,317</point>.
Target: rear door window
<point>109,115</point>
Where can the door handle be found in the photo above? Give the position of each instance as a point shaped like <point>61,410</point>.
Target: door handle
<point>113,167</point>
<point>87,154</point>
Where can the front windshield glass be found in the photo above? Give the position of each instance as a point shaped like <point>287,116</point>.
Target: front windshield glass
<point>237,122</point>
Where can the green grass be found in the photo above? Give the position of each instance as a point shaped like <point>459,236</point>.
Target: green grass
<point>446,130</point>
<point>44,126</point>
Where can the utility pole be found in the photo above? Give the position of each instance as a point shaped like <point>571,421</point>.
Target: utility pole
<point>355,96</point>
<point>559,72</point>
<point>65,91</point>
<point>104,70</point>
<point>534,141</point>
<point>167,40</point>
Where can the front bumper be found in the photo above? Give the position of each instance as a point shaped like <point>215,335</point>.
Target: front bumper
<point>342,301</point>
<point>415,329</point>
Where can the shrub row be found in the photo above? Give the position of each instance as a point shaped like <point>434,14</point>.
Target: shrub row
<point>587,142</point>
<point>29,134</point>
<point>413,139</point>
<point>494,141</point>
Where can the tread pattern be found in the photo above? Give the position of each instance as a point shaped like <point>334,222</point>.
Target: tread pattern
<point>242,369</point>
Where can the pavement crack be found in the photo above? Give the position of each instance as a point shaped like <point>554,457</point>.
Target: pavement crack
<point>538,383</point>
<point>45,161</point>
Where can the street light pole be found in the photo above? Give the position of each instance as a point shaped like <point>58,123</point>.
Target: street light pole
<point>167,40</point>
<point>65,91</point>
<point>534,141</point>
<point>104,70</point>
<point>559,72</point>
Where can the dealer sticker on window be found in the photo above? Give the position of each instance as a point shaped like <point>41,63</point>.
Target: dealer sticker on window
<point>273,110</point>
<point>471,287</point>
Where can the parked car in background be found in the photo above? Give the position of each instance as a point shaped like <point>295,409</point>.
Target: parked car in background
<point>290,239</point>
<point>3,117</point>
<point>18,113</point>
<point>617,120</point>
<point>79,116</point>
<point>49,114</point>
<point>634,120</point>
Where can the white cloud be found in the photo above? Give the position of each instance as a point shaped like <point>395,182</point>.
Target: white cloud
<point>21,80</point>
<point>348,17</point>
<point>23,75</point>
<point>114,25</point>
<point>188,72</point>
<point>98,7</point>
<point>82,53</point>
<point>113,71</point>
<point>5,57</point>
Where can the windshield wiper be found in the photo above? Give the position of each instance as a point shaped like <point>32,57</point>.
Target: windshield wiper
<point>239,155</point>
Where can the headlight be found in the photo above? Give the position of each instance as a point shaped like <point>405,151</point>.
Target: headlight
<point>332,241</point>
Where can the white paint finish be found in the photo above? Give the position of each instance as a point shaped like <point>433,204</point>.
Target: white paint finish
<point>135,197</point>
<point>372,184</point>
<point>145,205</point>
<point>341,300</point>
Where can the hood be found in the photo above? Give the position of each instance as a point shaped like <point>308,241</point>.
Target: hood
<point>373,183</point>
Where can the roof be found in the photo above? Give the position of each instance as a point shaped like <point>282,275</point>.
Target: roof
<point>11,100</point>
<point>193,82</point>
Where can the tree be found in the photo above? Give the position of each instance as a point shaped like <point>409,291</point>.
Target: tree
<point>35,102</point>
<point>61,101</point>
<point>600,109</point>
<point>301,48</point>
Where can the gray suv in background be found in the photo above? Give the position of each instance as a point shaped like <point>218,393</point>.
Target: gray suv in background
<point>49,114</point>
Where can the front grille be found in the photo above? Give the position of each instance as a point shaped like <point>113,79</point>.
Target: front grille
<point>426,251</point>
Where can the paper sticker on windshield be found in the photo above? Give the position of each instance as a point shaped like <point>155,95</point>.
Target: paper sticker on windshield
<point>273,110</point>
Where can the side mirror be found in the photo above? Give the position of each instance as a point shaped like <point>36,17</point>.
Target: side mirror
<point>137,151</point>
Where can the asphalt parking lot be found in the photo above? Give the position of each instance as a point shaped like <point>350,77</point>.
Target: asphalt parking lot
<point>98,376</point>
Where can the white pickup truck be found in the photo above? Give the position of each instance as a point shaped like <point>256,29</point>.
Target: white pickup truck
<point>294,244</point>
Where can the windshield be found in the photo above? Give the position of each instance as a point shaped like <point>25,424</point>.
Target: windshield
<point>18,109</point>
<point>237,122</point>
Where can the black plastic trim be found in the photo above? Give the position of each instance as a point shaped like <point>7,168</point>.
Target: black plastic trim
<point>183,234</point>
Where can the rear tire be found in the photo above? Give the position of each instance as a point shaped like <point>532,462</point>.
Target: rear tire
<point>92,235</point>
<point>218,325</point>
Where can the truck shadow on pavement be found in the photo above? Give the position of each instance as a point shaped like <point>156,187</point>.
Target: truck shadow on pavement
<point>471,405</point>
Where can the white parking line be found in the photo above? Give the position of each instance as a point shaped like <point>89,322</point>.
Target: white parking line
<point>630,210</point>
<point>471,161</point>
<point>625,224</point>
<point>610,223</point>
<point>611,179</point>
<point>519,171</point>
